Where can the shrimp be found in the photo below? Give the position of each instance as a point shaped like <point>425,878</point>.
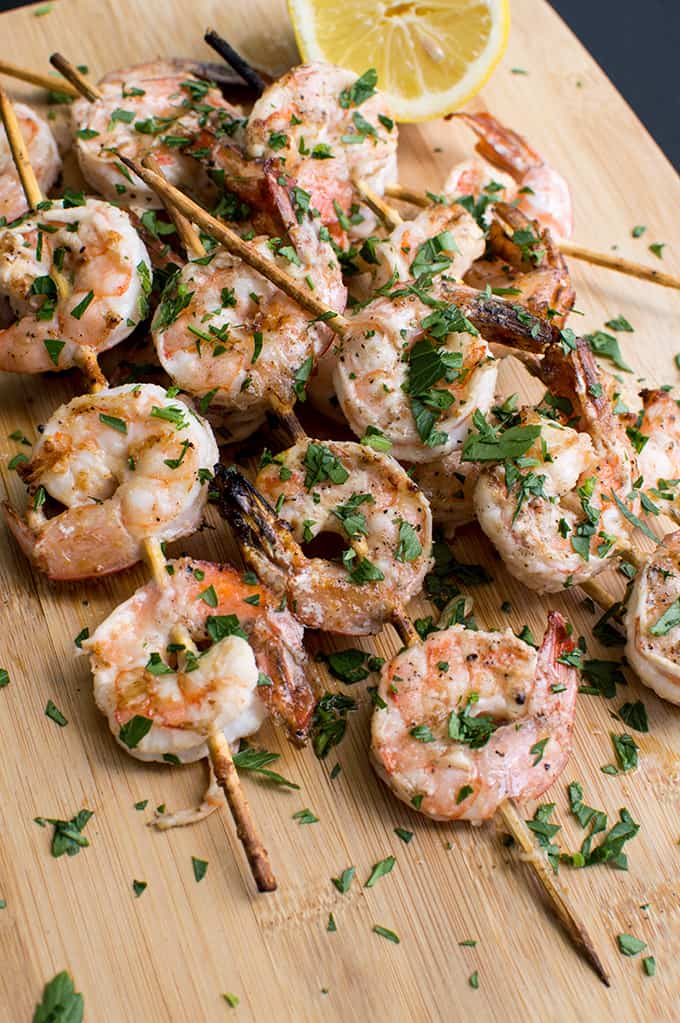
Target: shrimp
<point>542,192</point>
<point>98,253</point>
<point>653,621</point>
<point>417,368</point>
<point>658,426</point>
<point>558,517</point>
<point>223,329</point>
<point>44,157</point>
<point>362,496</point>
<point>378,382</point>
<point>443,238</point>
<point>330,127</point>
<point>153,109</point>
<point>469,719</point>
<point>523,261</point>
<point>256,663</point>
<point>127,463</point>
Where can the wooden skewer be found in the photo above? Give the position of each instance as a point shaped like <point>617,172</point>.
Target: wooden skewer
<point>234,244</point>
<point>17,145</point>
<point>76,78</point>
<point>408,195</point>
<point>516,825</point>
<point>235,60</point>
<point>189,238</point>
<point>619,265</point>
<point>389,216</point>
<point>34,78</point>
<point>220,755</point>
<point>605,259</point>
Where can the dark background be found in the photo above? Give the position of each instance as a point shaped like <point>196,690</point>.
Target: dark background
<point>638,45</point>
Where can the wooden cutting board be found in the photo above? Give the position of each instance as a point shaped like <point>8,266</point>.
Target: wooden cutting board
<point>169,954</point>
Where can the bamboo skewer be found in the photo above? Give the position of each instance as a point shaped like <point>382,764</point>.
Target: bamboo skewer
<point>17,145</point>
<point>235,245</point>
<point>235,60</point>
<point>76,78</point>
<point>516,825</point>
<point>389,216</point>
<point>605,259</point>
<point>34,78</point>
<point>619,265</point>
<point>189,238</point>
<point>220,754</point>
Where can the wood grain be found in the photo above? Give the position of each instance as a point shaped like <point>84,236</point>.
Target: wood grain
<point>169,954</point>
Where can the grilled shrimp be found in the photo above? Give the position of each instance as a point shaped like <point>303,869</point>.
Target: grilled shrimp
<point>106,267</point>
<point>378,381</point>
<point>653,621</point>
<point>557,517</point>
<point>152,109</point>
<point>256,664</point>
<point>44,157</point>
<point>417,368</point>
<point>329,126</point>
<point>469,719</point>
<point>542,193</point>
<point>128,463</point>
<point>440,238</point>
<point>343,488</point>
<point>224,329</point>
<point>659,456</point>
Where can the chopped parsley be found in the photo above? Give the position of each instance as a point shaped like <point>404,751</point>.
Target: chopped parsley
<point>329,722</point>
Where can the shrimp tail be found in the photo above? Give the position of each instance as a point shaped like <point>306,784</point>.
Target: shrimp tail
<point>81,543</point>
<point>576,374</point>
<point>529,250</point>
<point>268,547</point>
<point>501,322</point>
<point>245,179</point>
<point>501,146</point>
<point>550,670</point>
<point>21,531</point>
<point>265,540</point>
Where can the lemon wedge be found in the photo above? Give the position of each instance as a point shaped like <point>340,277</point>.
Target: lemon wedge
<point>431,56</point>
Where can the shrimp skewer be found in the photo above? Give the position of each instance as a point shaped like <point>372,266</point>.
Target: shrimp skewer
<point>561,522</point>
<point>156,109</point>
<point>109,267</point>
<point>221,759</point>
<point>187,712</point>
<point>531,693</point>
